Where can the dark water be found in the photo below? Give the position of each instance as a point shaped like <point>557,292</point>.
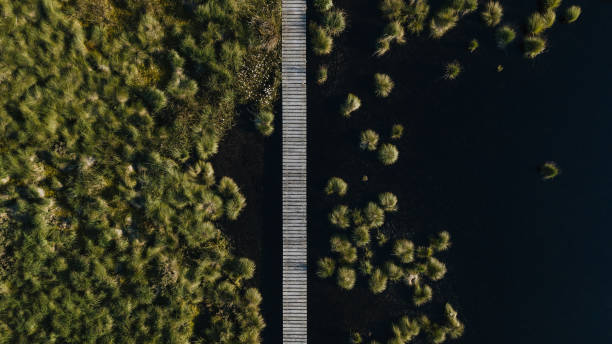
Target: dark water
<point>253,162</point>
<point>530,260</point>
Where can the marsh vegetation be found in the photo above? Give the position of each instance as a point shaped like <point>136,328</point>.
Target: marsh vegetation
<point>111,215</point>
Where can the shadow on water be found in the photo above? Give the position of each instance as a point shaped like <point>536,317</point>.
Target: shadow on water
<point>529,258</point>
<point>254,163</point>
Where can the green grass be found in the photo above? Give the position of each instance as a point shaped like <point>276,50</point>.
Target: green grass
<point>572,13</point>
<point>492,13</point>
<point>382,85</point>
<point>387,154</point>
<point>504,36</point>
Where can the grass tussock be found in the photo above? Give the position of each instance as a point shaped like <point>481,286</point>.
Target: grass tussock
<point>368,140</point>
<point>388,154</point>
<point>572,13</point>
<point>336,185</point>
<point>452,70</point>
<point>351,104</point>
<point>534,46</point>
<point>504,36</point>
<point>492,13</point>
<point>382,85</point>
<point>321,75</point>
<point>397,130</point>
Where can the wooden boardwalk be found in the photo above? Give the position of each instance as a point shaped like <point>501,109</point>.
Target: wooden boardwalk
<point>294,170</point>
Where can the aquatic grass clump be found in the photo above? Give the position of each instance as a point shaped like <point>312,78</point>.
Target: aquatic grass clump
<point>572,13</point>
<point>504,36</point>
<point>382,85</point>
<point>368,140</point>
<point>435,269</point>
<point>346,278</point>
<point>321,42</point>
<point>403,249</point>
<point>533,46</point>
<point>388,154</point>
<point>374,215</point>
<point>397,130</point>
<point>351,104</point>
<point>339,217</point>
<point>440,242</point>
<point>388,201</point>
<point>321,76</point>
<point>378,282</point>
<point>334,22</point>
<point>549,170</point>
<point>473,45</point>
<point>336,185</point>
<point>422,294</point>
<point>361,236</point>
<point>492,13</point>
<point>323,5</point>
<point>452,70</point>
<point>264,122</point>
<point>326,267</point>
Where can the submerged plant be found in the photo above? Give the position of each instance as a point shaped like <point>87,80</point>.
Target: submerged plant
<point>452,70</point>
<point>346,278</point>
<point>549,170</point>
<point>336,185</point>
<point>382,85</point>
<point>368,140</point>
<point>321,76</point>
<point>321,42</point>
<point>326,267</point>
<point>388,201</point>
<point>397,130</point>
<point>572,13</point>
<point>504,36</point>
<point>534,46</point>
<point>387,154</point>
<point>492,13</point>
<point>351,104</point>
<point>334,22</point>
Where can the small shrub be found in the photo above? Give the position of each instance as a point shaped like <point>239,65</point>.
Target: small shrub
<point>326,267</point>
<point>473,45</point>
<point>339,217</point>
<point>388,201</point>
<point>323,5</point>
<point>336,185</point>
<point>504,36</point>
<point>320,40</point>
<point>351,104</point>
<point>387,154</point>
<point>403,249</point>
<point>452,70</point>
<point>368,140</point>
<point>492,13</point>
<point>374,215</point>
<point>422,294</point>
<point>397,131</point>
<point>264,122</point>
<point>534,46</point>
<point>321,76</point>
<point>572,13</point>
<point>382,85</point>
<point>378,282</point>
<point>346,278</point>
<point>334,22</point>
